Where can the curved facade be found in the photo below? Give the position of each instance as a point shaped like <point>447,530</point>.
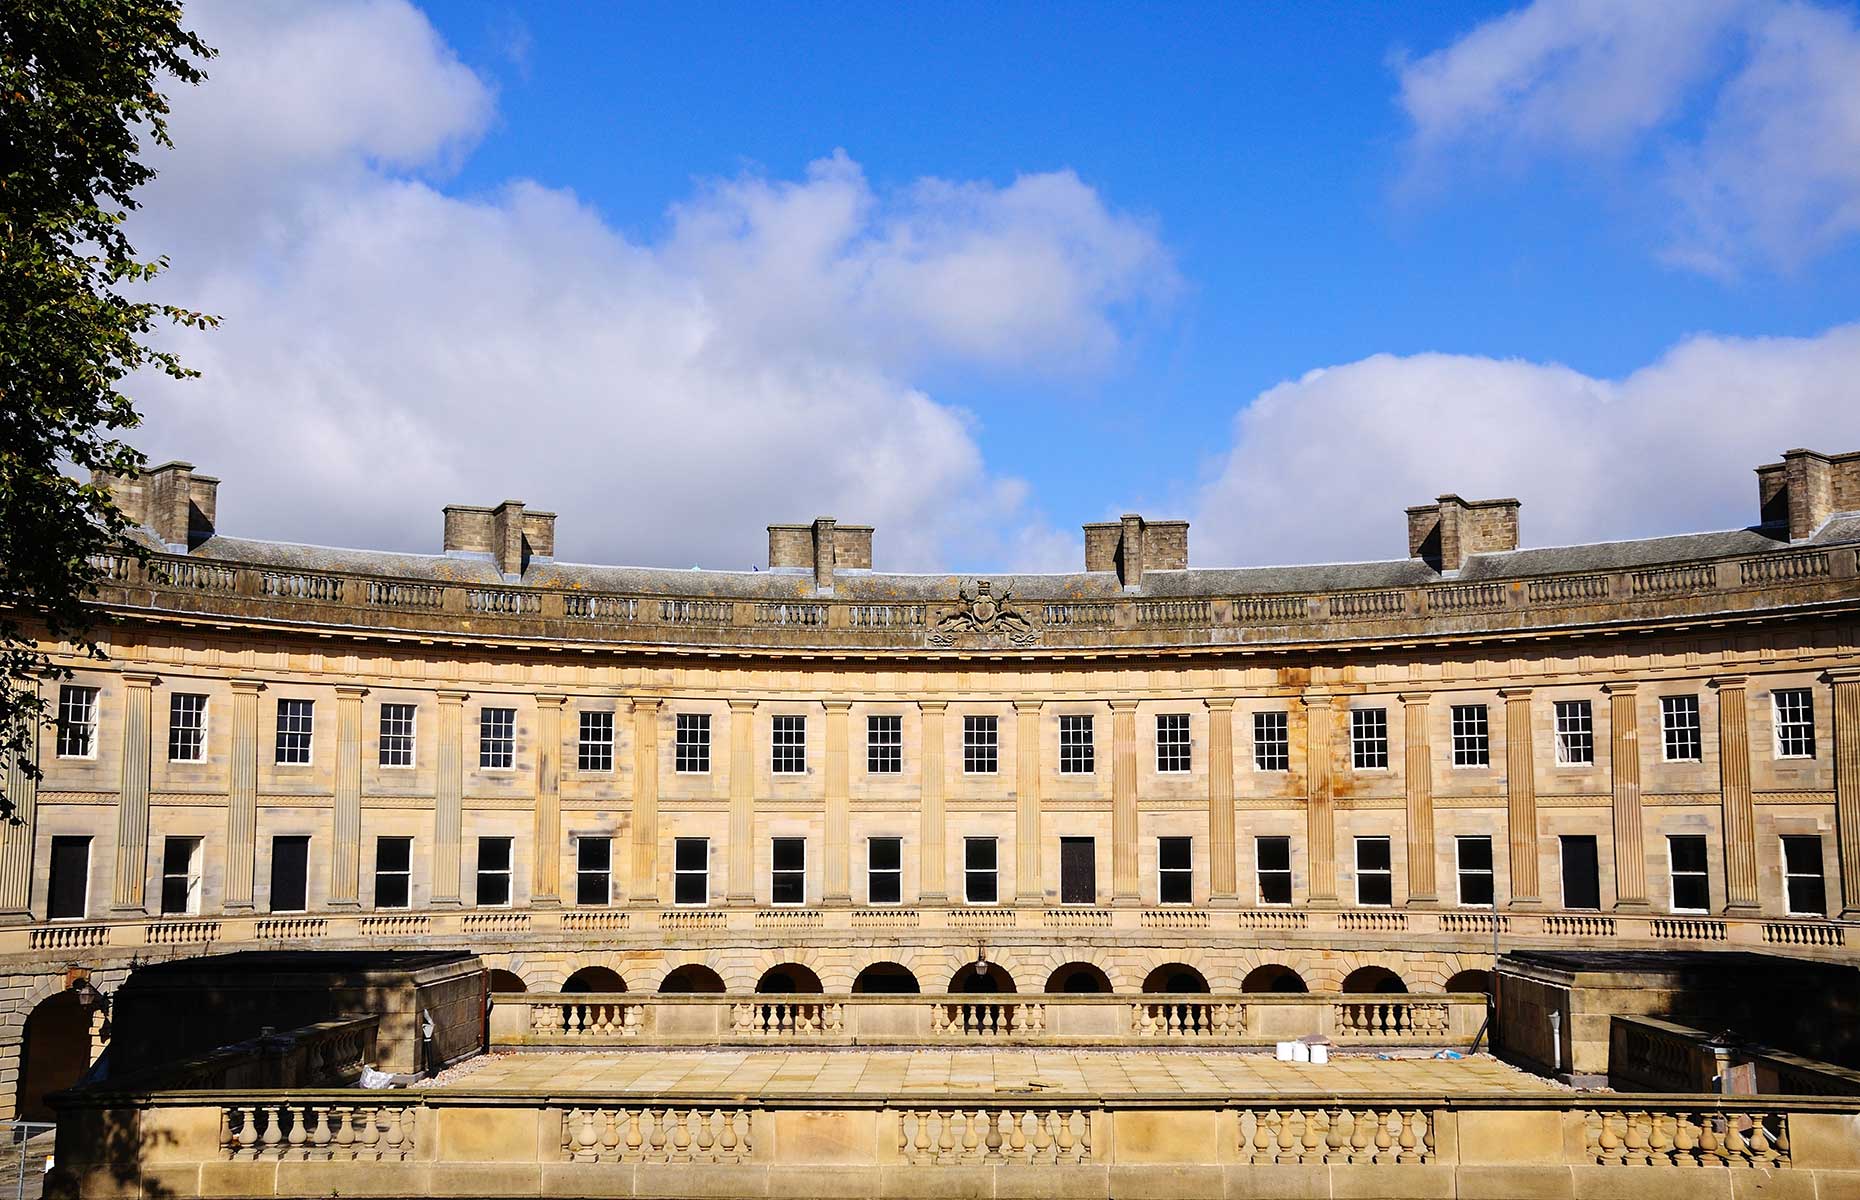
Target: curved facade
<point>1354,775</point>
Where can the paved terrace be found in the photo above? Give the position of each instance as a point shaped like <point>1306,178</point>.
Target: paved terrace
<point>983,1074</point>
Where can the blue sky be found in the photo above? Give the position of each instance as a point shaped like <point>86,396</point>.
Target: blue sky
<point>1494,197</point>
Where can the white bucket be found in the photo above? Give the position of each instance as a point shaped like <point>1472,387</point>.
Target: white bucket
<point>1301,1052</point>
<point>1320,1055</point>
<point>1285,1052</point>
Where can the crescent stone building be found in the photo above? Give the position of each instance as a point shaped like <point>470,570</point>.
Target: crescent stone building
<point>1148,775</point>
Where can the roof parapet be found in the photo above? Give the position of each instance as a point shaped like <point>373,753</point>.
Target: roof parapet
<point>1445,533</point>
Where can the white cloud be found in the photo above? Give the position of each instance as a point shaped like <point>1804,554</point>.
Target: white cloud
<point>1322,466</point>
<point>1744,115</point>
<point>389,347</point>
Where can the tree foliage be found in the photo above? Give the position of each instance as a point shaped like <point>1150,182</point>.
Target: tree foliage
<point>80,99</point>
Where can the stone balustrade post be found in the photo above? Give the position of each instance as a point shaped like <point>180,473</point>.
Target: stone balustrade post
<point>1124,884</point>
<point>742,881</point>
<point>1028,889</point>
<point>645,801</point>
<point>345,862</point>
<point>1223,852</point>
<point>132,804</point>
<point>1624,767</point>
<point>1740,817</point>
<point>1418,785</point>
<point>449,800</point>
<point>932,874</point>
<point>1521,799</point>
<point>546,846</point>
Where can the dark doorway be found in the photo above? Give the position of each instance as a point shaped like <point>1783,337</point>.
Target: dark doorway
<point>692,978</point>
<point>886,979</point>
<point>1078,978</point>
<point>54,1053</point>
<point>1582,875</point>
<point>1078,870</point>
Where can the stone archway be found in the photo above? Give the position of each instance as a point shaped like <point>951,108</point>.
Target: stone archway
<point>54,1053</point>
<point>1274,977</point>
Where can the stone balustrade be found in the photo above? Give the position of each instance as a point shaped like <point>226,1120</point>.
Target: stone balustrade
<point>1647,1052</point>
<point>457,1141</point>
<point>469,928</point>
<point>222,590</point>
<point>662,1019</point>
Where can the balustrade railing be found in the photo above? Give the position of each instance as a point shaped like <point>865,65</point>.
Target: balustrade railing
<point>657,1134</point>
<point>1296,1135</point>
<point>1654,1137</point>
<point>948,1136</point>
<point>318,1132</point>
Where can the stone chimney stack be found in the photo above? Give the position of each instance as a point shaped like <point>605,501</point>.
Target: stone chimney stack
<point>1133,545</point>
<point>509,533</point>
<point>1806,488</point>
<point>1450,530</point>
<point>176,505</point>
<point>822,547</point>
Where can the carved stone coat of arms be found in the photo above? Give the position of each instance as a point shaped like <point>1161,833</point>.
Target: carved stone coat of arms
<point>982,616</point>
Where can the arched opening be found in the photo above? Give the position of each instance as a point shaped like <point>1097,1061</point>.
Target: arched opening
<point>992,979</point>
<point>1274,977</point>
<point>1471,981</point>
<point>695,979</point>
<point>789,979</point>
<point>1079,978</point>
<point>507,981</point>
<point>1374,979</point>
<point>886,979</point>
<point>594,979</point>
<point>54,1053</point>
<point>1175,978</point>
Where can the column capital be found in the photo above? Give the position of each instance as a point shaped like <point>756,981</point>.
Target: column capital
<point>1220,703</point>
<point>1414,697</point>
<point>550,700</point>
<point>248,686</point>
<point>1722,683</point>
<point>452,696</point>
<point>1510,695</point>
<point>647,704</point>
<point>935,706</point>
<point>1123,705</point>
<point>740,705</point>
<point>1316,699</point>
<point>1621,689</point>
<point>837,706</point>
<point>1029,706</point>
<point>350,691</point>
<point>1838,675</point>
<point>141,679</point>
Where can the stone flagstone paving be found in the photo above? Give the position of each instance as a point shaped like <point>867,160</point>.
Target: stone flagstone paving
<point>1119,1072</point>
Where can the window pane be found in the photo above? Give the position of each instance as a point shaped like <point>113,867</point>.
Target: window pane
<point>1807,896</point>
<point>70,877</point>
<point>887,854</point>
<point>393,854</point>
<point>1078,871</point>
<point>884,745</point>
<point>391,891</point>
<point>790,854</point>
<point>1582,886</point>
<point>691,854</point>
<point>981,887</point>
<point>1275,854</point>
<point>593,854</point>
<point>1802,855</point>
<point>979,853</point>
<point>1475,854</point>
<point>1372,854</point>
<point>290,873</point>
<point>1173,853</point>
<point>1374,889</point>
<point>494,854</point>
<point>690,889</point>
<point>1688,853</point>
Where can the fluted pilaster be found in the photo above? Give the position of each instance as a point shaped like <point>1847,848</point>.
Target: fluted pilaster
<point>1320,802</point>
<point>932,875</point>
<point>449,799</point>
<point>645,800</point>
<point>1418,784</point>
<point>1624,765</point>
<point>345,863</point>
<point>132,804</point>
<point>838,781</point>
<point>18,836</point>
<point>1847,785</point>
<point>742,882</point>
<point>242,797</point>
<point>546,849</point>
<point>1124,802</point>
<point>1521,798</point>
<point>1740,816</point>
<point>1028,888</point>
<point>1223,863</point>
